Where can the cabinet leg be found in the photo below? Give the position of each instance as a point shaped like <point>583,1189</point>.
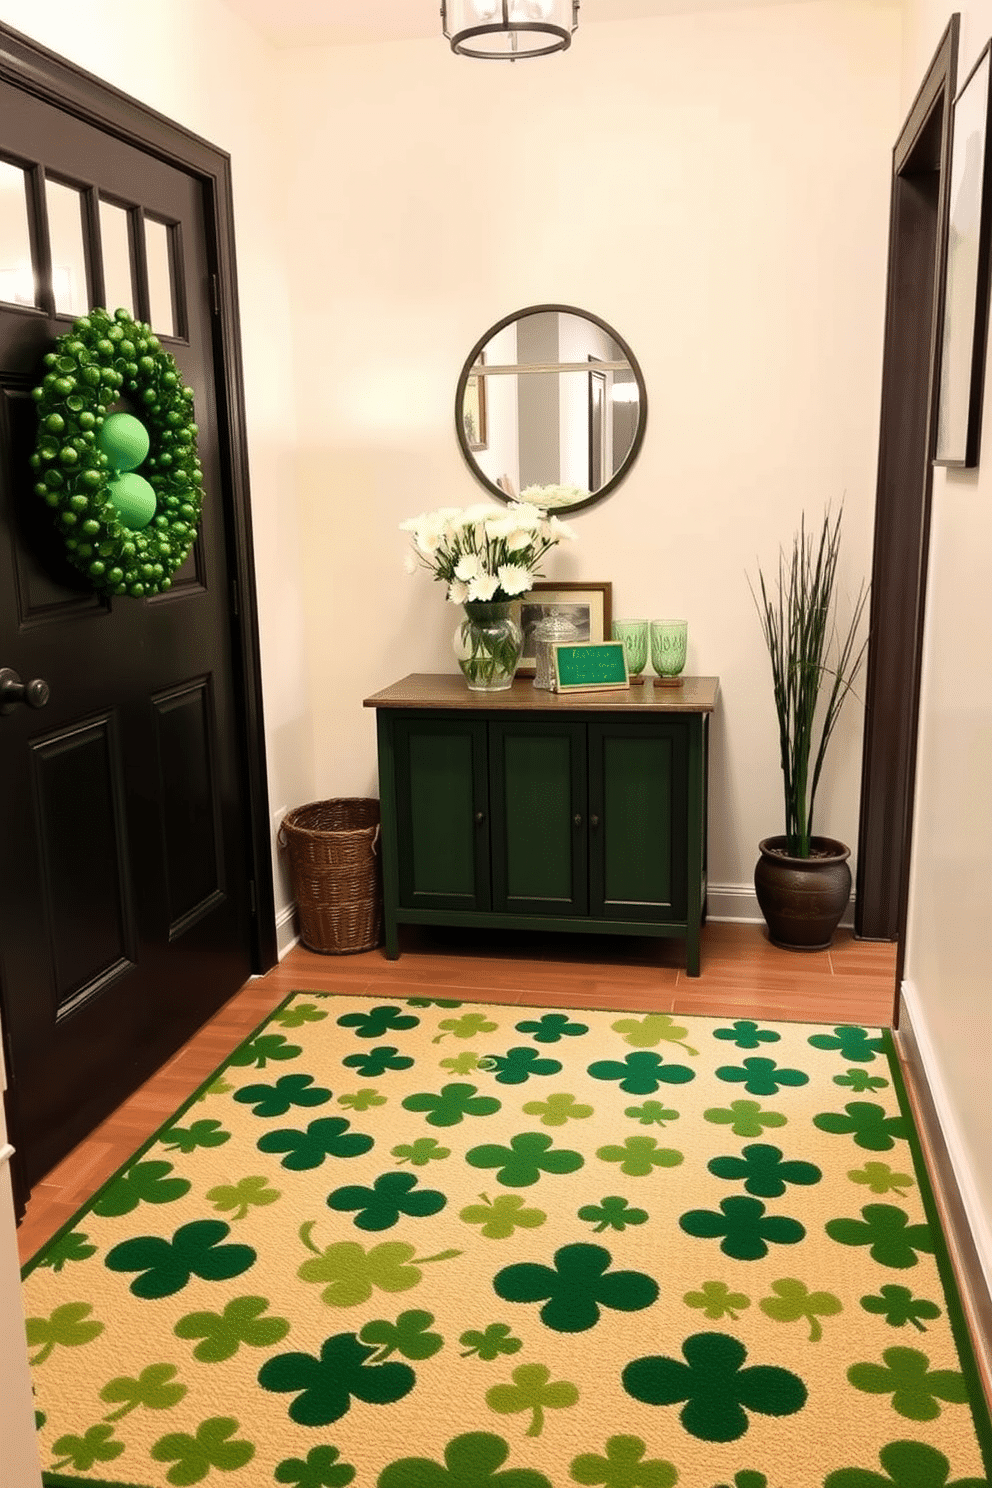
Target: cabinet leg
<point>692,952</point>
<point>392,939</point>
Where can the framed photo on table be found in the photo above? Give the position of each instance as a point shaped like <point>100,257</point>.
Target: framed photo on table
<point>966,293</point>
<point>589,606</point>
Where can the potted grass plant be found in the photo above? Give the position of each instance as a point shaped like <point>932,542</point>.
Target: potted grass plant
<point>803,881</point>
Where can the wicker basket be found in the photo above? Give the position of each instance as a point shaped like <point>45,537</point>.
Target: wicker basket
<point>335,873</point>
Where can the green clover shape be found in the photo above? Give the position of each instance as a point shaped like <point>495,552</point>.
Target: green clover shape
<point>887,1230</point>
<point>71,1247</point>
<point>532,1390</point>
<point>420,1152</point>
<point>613,1213</point>
<point>409,1336</point>
<point>200,1134</point>
<point>221,1334</point>
<point>470,1461</point>
<point>764,1170</point>
<point>717,1301</point>
<point>746,1229</point>
<point>520,1064</point>
<point>915,1387</point>
<point>391,1195</point>
<point>378,1021</point>
<point>260,1049</point>
<point>375,1062</point>
<point>500,1217</point>
<point>194,1456</point>
<point>299,1014</point>
<point>651,1113</point>
<point>327,1137</point>
<point>551,1028</point>
<point>452,1105</point>
<point>898,1306</point>
<point>879,1177</point>
<point>155,1388</point>
<point>288,1091</point>
<point>249,1193</point>
<point>145,1182</point>
<point>746,1034</point>
<point>460,1064</point>
<point>322,1469</point>
<point>469,1025</point>
<point>575,1288</point>
<point>745,1118</point>
<point>908,1464</point>
<point>869,1125</point>
<point>84,1452</point>
<point>429,1002</point>
<point>639,1156</point>
<point>793,1301</point>
<point>558,1109</point>
<point>623,1466</point>
<point>528,1156</point>
<point>351,1274</point>
<point>641,1073</point>
<point>860,1080</point>
<point>651,1030</point>
<point>165,1266</point>
<point>761,1076</point>
<point>323,1386</point>
<point>69,1326</point>
<point>361,1100</point>
<point>853,1043</point>
<point>495,1340</point>
<point>717,1390</point>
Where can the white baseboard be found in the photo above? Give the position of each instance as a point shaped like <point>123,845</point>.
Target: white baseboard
<point>977,1220</point>
<point>287,932</point>
<point>738,904</point>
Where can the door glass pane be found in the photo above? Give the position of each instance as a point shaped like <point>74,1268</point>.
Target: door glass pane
<point>116,258</point>
<point>159,277</point>
<point>16,275</point>
<point>65,229</point>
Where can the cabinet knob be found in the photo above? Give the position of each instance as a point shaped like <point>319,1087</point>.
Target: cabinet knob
<point>577,818</point>
<point>480,817</point>
<point>594,822</point>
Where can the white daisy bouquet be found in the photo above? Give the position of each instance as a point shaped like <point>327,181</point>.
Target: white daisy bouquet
<point>484,552</point>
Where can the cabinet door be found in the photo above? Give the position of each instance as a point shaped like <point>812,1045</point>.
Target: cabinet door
<point>638,789</point>
<point>442,809</point>
<point>540,829</point>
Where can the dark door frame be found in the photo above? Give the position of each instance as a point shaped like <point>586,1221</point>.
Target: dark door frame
<point>914,316</point>
<point>33,68</point>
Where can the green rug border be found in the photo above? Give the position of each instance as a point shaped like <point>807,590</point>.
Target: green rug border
<point>978,1403</point>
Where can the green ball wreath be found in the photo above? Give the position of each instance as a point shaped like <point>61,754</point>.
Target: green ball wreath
<point>108,360</point>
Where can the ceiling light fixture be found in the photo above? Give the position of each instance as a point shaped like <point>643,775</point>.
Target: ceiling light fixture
<point>503,30</point>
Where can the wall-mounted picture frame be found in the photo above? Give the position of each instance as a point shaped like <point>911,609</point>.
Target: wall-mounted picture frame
<point>966,282</point>
<point>589,606</point>
<point>474,409</point>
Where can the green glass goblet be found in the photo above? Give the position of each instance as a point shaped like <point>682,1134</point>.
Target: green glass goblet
<point>634,635</point>
<point>668,648</point>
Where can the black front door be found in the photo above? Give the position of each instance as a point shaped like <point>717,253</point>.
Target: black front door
<point>125,913</point>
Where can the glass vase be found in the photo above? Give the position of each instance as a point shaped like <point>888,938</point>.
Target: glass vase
<point>487,646</point>
<point>634,634</point>
<point>668,648</point>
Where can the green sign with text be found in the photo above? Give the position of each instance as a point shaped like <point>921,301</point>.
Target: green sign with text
<point>590,665</point>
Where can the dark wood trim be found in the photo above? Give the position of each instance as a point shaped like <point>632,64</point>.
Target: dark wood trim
<point>28,66</point>
<point>913,330</point>
<point>969,1271</point>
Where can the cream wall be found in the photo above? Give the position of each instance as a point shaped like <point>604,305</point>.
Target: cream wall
<point>196,62</point>
<point>947,949</point>
<point>715,185</point>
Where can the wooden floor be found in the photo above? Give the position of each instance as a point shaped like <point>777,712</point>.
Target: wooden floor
<point>742,976</point>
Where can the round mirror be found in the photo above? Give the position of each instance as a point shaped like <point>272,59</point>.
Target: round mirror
<point>550,397</point>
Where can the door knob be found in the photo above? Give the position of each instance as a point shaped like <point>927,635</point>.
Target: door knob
<point>13,691</point>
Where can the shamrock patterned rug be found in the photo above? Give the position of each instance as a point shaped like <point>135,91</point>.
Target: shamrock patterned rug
<point>429,1244</point>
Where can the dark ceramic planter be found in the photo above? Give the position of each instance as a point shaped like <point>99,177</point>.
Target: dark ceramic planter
<point>802,899</point>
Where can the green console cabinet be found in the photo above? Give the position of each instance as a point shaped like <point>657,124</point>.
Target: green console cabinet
<point>524,808</point>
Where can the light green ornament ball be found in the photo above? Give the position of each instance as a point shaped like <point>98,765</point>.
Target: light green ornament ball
<point>124,440</point>
<point>133,498</point>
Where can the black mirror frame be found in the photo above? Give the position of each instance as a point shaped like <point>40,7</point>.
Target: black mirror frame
<point>638,440</point>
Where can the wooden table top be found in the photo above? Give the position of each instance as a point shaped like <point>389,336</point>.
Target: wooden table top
<point>449,690</point>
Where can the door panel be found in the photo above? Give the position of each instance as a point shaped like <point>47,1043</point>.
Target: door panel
<point>124,885</point>
<point>637,794</point>
<point>539,818</point>
<point>443,807</point>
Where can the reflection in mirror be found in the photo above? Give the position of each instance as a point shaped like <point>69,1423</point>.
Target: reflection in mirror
<point>551,397</point>
<point>16,274</point>
<point>65,231</point>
